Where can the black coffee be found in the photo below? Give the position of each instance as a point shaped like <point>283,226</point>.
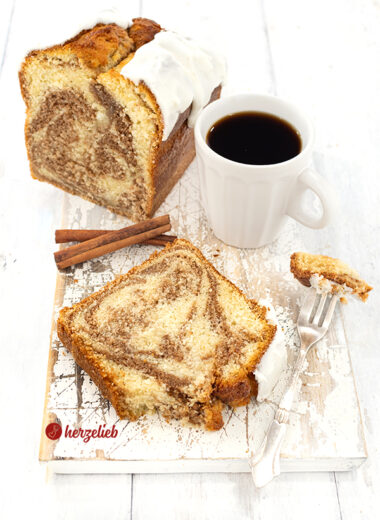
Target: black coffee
<point>254,138</point>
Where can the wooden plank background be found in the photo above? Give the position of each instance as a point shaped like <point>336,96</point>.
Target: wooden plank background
<point>324,56</point>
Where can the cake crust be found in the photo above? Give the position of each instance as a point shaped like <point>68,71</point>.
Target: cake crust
<point>232,385</point>
<point>100,48</point>
<point>143,31</point>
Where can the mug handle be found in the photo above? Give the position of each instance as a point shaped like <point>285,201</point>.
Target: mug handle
<point>309,179</point>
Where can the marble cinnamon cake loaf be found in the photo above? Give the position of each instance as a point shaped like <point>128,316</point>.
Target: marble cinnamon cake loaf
<point>328,274</point>
<point>109,112</point>
<point>171,335</point>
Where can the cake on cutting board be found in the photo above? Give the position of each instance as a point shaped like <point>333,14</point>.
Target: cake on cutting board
<point>328,274</point>
<point>110,112</point>
<point>171,335</point>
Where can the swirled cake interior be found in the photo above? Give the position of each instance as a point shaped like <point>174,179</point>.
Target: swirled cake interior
<point>95,133</point>
<point>171,335</point>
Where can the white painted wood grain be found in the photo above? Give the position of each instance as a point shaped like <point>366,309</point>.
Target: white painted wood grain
<point>95,497</point>
<point>325,56</point>
<point>226,497</point>
<point>6,12</point>
<point>339,83</point>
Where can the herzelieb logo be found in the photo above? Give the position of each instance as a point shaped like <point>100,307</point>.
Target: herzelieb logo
<point>53,431</point>
<point>86,434</point>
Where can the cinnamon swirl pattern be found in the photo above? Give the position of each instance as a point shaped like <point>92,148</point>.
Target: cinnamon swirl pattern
<point>84,144</point>
<point>95,133</point>
<point>171,335</point>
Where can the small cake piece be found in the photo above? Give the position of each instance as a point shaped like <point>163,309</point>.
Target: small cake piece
<point>171,335</point>
<point>328,274</point>
<point>110,112</point>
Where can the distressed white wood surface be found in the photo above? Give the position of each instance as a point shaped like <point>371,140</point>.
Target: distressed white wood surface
<point>324,55</point>
<point>325,432</point>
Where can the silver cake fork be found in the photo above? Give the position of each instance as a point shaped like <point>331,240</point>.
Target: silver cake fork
<point>313,321</point>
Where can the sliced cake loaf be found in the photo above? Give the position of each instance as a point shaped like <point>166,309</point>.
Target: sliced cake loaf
<point>171,335</point>
<point>328,274</point>
<point>108,113</point>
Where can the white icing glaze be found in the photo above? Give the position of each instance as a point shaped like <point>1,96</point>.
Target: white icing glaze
<point>178,72</point>
<point>57,33</point>
<point>274,361</point>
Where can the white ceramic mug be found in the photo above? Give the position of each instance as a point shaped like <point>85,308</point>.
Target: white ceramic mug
<point>247,205</point>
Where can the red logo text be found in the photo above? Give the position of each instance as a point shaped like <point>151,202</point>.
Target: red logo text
<point>86,434</point>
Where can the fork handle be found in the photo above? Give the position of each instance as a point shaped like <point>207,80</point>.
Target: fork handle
<point>282,414</point>
<point>266,464</point>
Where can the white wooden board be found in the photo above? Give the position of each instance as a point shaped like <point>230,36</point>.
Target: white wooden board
<point>325,432</point>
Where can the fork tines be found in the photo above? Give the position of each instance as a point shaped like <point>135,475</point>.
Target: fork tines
<point>318,309</point>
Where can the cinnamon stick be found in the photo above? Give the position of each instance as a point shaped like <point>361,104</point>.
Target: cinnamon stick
<point>111,246</point>
<point>81,235</point>
<point>160,240</point>
<point>112,241</point>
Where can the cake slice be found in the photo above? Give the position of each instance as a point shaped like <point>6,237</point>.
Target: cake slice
<point>328,274</point>
<point>171,335</point>
<point>109,113</point>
